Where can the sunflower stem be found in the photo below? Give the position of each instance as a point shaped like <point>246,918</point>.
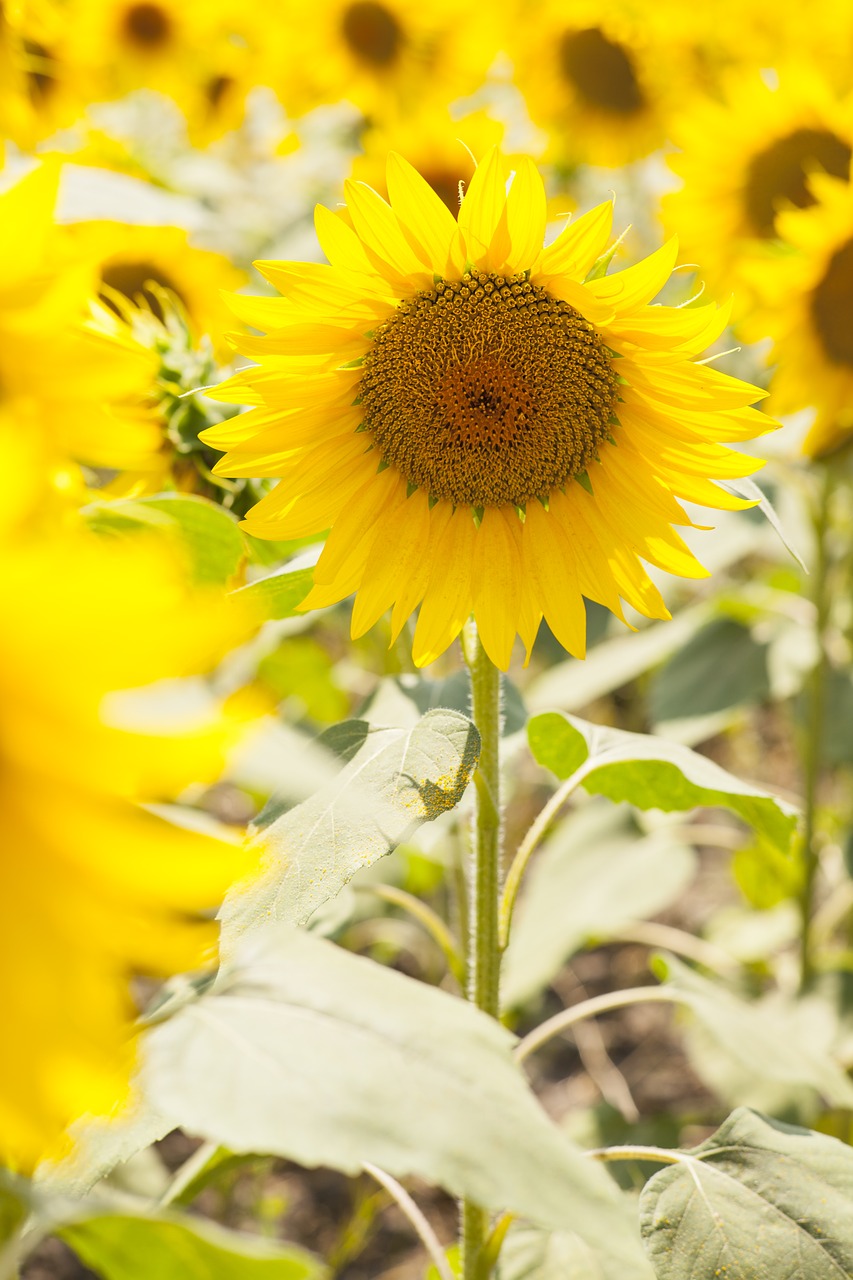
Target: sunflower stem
<point>484,956</point>
<point>816,708</point>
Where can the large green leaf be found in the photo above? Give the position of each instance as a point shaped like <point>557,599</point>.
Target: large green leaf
<point>530,1253</point>
<point>209,535</point>
<point>306,1051</point>
<point>652,773</point>
<point>760,1200</point>
<point>596,874</point>
<point>763,1041</point>
<point>121,1247</point>
<point>277,595</point>
<point>395,780</point>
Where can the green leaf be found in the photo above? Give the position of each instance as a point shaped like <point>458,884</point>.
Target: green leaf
<point>760,1200</point>
<point>396,780</point>
<point>772,1041</point>
<point>719,667</point>
<point>279,594</point>
<point>121,1247</point>
<point>529,1253</point>
<point>306,1051</point>
<point>209,535</point>
<point>100,1145</point>
<point>596,874</point>
<point>13,1207</point>
<point>652,773</point>
<point>745,487</point>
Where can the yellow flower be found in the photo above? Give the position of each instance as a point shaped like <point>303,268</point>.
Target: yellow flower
<point>806,304</point>
<point>381,55</point>
<point>482,428</point>
<point>744,161</point>
<point>93,887</point>
<point>603,81</point>
<point>82,388</point>
<point>38,94</point>
<point>131,257</point>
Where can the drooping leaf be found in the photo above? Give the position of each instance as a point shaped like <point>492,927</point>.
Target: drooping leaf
<point>745,487</point>
<point>397,779</point>
<point>760,1200</point>
<point>306,1051</point>
<point>530,1253</point>
<point>596,874</point>
<point>762,1039</point>
<point>208,534</point>
<point>121,1247</point>
<point>652,773</point>
<point>278,595</point>
<point>721,666</point>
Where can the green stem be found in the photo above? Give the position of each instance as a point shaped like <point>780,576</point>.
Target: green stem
<point>484,955</point>
<point>812,755</point>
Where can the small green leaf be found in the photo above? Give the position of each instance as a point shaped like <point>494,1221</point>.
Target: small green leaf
<point>760,1200</point>
<point>279,594</point>
<point>651,773</point>
<point>120,1247</point>
<point>397,779</point>
<point>306,1051</point>
<point>208,534</point>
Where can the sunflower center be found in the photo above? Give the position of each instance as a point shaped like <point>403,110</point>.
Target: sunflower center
<point>487,391</point>
<point>372,32</point>
<point>832,306</point>
<point>601,71</point>
<point>780,174</point>
<point>147,25</point>
<point>134,278</point>
<point>40,79</point>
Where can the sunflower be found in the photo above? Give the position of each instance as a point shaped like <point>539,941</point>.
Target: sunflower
<point>806,304</point>
<point>93,887</point>
<point>482,428</point>
<point>744,161</point>
<point>38,92</point>
<point>86,390</point>
<point>381,55</point>
<point>603,81</point>
<point>130,258</point>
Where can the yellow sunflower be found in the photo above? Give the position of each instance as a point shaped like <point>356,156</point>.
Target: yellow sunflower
<point>85,389</point>
<point>603,81</point>
<point>93,887</point>
<point>806,305</point>
<point>381,55</point>
<point>745,160</point>
<point>483,428</point>
<point>131,257</point>
<point>39,93</point>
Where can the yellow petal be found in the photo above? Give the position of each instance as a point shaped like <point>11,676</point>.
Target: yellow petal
<point>525,215</point>
<point>424,216</point>
<point>447,602</point>
<point>579,244</point>
<point>635,286</point>
<point>397,550</point>
<point>497,582</point>
<point>482,214</point>
<point>550,561</point>
<point>382,236</point>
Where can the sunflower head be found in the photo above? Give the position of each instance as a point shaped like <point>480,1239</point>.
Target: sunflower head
<point>485,424</point>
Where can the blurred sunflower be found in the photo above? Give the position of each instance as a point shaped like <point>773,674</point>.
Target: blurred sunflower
<point>806,307</point>
<point>195,52</point>
<point>86,390</point>
<point>483,427</point>
<point>93,887</point>
<point>381,55</point>
<point>130,258</point>
<point>603,82</point>
<point>38,93</point>
<point>745,161</point>
<point>441,148</point>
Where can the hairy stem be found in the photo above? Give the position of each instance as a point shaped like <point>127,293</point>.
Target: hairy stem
<point>812,754</point>
<point>484,953</point>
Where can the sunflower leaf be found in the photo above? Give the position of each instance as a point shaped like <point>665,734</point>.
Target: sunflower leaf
<point>760,1199</point>
<point>210,537</point>
<point>529,1253</point>
<point>394,781</point>
<point>279,594</point>
<point>651,773</point>
<point>745,487</point>
<point>171,1247</point>
<point>306,1051</point>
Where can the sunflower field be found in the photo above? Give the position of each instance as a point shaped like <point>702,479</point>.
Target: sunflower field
<point>426,640</point>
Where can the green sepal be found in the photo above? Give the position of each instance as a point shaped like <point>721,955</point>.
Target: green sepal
<point>410,489</point>
<point>383,466</point>
<point>353,364</point>
<point>583,479</point>
<point>478,513</point>
<point>431,501</point>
